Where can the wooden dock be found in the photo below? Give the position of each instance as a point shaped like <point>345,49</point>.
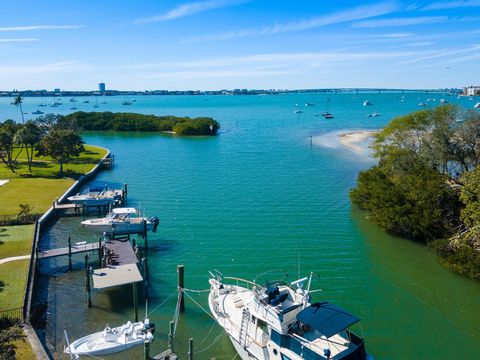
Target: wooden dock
<point>75,249</point>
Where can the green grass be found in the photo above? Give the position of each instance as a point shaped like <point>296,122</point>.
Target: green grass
<point>37,192</point>
<point>14,275</point>
<point>23,350</point>
<point>47,167</point>
<point>16,240</point>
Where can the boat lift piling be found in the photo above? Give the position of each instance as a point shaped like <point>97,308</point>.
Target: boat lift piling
<point>69,254</point>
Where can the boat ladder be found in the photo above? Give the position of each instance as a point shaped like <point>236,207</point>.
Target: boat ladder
<point>243,335</point>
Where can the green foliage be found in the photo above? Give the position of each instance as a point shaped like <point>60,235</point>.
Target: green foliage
<point>459,257</point>
<point>61,145</point>
<point>9,332</point>
<point>405,196</point>
<point>8,130</point>
<point>470,197</point>
<point>29,135</point>
<point>140,122</point>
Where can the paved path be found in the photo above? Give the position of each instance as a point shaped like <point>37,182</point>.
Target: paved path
<point>14,258</point>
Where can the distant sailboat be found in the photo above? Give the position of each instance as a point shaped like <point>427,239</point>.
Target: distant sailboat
<point>126,102</point>
<point>96,103</point>
<point>327,114</point>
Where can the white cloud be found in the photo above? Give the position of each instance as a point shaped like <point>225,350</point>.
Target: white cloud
<point>443,54</point>
<point>17,40</point>
<point>356,13</point>
<point>443,5</point>
<point>41,69</point>
<point>397,35</point>
<point>40,27</point>
<point>405,21</point>
<point>190,9</point>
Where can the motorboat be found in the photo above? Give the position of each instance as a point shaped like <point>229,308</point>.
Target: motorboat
<point>122,221</point>
<point>327,115</point>
<point>298,111</point>
<point>444,101</point>
<point>422,104</point>
<point>97,196</point>
<point>477,105</point>
<point>310,104</point>
<point>375,114</point>
<point>277,321</point>
<point>112,340</point>
<point>37,112</point>
<point>367,103</point>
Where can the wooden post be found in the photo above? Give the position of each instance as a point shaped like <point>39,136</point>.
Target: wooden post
<point>100,252</point>
<point>146,350</point>
<point>170,338</point>
<point>181,283</point>
<point>54,211</point>
<point>145,234</point>
<point>69,254</point>
<point>125,192</point>
<point>87,281</point>
<point>310,140</point>
<point>135,300</point>
<point>145,275</point>
<point>190,349</point>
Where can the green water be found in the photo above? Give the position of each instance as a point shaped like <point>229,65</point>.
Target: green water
<point>259,197</point>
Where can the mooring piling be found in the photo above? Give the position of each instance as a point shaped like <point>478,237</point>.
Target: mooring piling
<point>190,349</point>
<point>87,281</point>
<point>181,285</point>
<point>135,300</point>
<point>170,337</point>
<point>69,254</point>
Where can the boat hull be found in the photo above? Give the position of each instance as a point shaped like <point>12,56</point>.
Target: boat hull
<point>117,228</point>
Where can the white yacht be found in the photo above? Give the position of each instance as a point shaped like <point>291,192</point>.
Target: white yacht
<point>477,105</point>
<point>96,196</point>
<point>122,221</point>
<point>277,321</point>
<point>367,103</point>
<point>112,340</point>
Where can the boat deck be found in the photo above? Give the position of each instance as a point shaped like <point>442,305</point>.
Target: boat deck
<point>116,275</point>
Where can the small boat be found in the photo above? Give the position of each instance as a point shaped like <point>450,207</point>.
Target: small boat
<point>73,107</point>
<point>122,221</point>
<point>375,114</point>
<point>42,104</point>
<point>298,111</point>
<point>73,100</point>
<point>367,103</point>
<point>96,196</point>
<point>310,104</point>
<point>422,104</point>
<point>112,340</point>
<point>443,101</point>
<point>277,321</point>
<point>38,112</point>
<point>477,105</point>
<point>327,116</point>
<point>86,101</point>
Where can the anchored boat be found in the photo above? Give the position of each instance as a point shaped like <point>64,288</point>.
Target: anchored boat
<point>277,321</point>
<point>112,340</point>
<point>122,221</point>
<point>97,196</point>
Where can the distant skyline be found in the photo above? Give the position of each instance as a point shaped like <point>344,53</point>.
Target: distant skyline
<point>227,44</point>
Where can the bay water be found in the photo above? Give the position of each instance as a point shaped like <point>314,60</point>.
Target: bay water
<point>269,193</point>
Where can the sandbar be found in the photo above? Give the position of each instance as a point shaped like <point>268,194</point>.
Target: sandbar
<point>354,139</point>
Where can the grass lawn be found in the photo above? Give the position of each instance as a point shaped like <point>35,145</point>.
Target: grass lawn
<point>16,240</point>
<point>47,167</point>
<point>14,275</point>
<point>37,192</point>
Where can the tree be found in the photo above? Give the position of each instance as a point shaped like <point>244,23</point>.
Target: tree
<point>9,332</point>
<point>61,145</point>
<point>29,135</point>
<point>7,144</point>
<point>18,102</point>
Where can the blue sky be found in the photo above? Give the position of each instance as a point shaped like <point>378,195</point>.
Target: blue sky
<point>225,44</point>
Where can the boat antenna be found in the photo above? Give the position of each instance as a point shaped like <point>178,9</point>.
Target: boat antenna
<point>68,344</point>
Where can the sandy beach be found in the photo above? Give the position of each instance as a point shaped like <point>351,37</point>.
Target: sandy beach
<point>354,140</point>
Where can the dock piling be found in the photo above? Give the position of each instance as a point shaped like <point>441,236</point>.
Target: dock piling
<point>190,349</point>
<point>135,300</point>
<point>146,350</point>
<point>100,250</point>
<point>181,285</point>
<point>87,281</point>
<point>170,337</point>
<point>69,254</point>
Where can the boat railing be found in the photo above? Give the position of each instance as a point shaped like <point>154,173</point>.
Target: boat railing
<point>240,280</point>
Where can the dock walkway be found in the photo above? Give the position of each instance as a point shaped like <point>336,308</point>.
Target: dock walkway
<point>76,249</point>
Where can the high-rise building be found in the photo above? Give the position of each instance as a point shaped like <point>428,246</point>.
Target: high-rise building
<point>101,87</point>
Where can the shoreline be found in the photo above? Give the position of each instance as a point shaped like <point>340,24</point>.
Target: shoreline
<point>354,139</point>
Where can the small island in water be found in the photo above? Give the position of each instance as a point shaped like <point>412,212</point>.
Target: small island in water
<point>185,126</point>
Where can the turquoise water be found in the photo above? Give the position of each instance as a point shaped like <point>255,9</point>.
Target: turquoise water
<point>259,197</point>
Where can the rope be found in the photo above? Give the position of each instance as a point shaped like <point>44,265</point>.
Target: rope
<point>200,306</point>
<point>171,295</point>
<point>208,334</point>
<point>177,312</point>
<point>196,291</point>
<point>213,343</point>
<point>235,356</point>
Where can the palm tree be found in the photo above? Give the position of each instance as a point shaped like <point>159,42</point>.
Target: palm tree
<point>18,102</point>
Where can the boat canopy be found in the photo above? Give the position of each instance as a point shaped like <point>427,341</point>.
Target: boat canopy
<point>124,211</point>
<point>326,318</point>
